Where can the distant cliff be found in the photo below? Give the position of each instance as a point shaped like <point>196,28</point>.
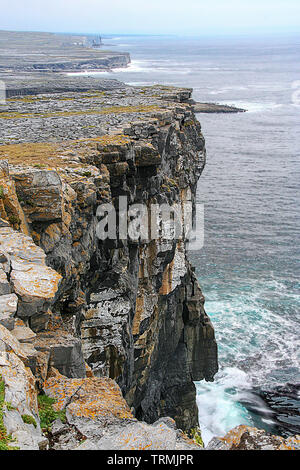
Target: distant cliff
<point>37,52</point>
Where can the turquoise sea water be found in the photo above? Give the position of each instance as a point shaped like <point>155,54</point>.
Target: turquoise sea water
<point>249,265</point>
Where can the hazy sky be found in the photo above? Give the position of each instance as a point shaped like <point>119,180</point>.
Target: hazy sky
<point>152,16</point>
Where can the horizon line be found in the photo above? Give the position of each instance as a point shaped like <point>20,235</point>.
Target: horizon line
<point>173,34</point>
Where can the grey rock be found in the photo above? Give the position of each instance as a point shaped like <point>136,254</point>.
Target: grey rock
<point>8,309</point>
<point>134,435</point>
<point>216,444</point>
<point>4,284</point>
<point>27,436</point>
<point>67,441</point>
<point>58,427</point>
<point>65,352</point>
<point>35,283</point>
<point>88,444</point>
<point>8,303</point>
<point>249,438</point>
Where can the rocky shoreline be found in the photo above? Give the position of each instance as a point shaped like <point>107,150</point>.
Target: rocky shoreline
<point>35,52</point>
<point>216,108</point>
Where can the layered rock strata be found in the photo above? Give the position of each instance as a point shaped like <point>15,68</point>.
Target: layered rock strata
<point>130,309</point>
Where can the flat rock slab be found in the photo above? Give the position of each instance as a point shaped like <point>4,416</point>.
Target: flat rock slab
<point>23,334</point>
<point>35,283</point>
<point>216,108</point>
<point>41,193</point>
<point>20,247</point>
<point>36,286</point>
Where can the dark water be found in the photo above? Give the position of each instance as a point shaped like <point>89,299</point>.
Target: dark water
<point>249,266</point>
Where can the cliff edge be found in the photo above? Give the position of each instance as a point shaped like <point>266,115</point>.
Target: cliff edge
<point>97,314</point>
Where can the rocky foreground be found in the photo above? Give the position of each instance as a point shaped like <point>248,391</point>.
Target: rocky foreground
<point>100,341</point>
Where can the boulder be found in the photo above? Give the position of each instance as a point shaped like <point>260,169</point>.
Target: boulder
<point>36,287</point>
<point>8,309</point>
<point>35,283</point>
<point>41,194</point>
<point>65,352</point>
<point>250,438</point>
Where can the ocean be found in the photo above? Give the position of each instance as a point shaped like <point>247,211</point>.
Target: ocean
<point>249,266</point>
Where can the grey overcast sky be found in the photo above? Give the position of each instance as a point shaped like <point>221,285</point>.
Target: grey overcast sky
<point>191,17</point>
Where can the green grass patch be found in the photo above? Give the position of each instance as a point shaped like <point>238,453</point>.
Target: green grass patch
<point>47,413</point>
<point>14,219</point>
<point>87,173</point>
<point>195,434</point>
<point>29,420</point>
<point>9,406</point>
<point>39,165</point>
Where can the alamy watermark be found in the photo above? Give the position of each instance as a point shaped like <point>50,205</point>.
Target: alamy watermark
<point>296,93</point>
<point>144,223</point>
<point>2,92</point>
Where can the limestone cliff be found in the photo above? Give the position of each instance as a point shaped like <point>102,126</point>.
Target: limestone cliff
<point>130,310</point>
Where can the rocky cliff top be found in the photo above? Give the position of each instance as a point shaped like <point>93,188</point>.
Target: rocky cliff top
<point>106,107</point>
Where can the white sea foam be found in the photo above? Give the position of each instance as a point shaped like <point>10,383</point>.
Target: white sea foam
<point>140,66</point>
<point>227,89</point>
<point>135,66</point>
<point>260,345</point>
<point>137,83</point>
<point>251,106</point>
<point>218,405</point>
<point>88,73</point>
<point>241,324</point>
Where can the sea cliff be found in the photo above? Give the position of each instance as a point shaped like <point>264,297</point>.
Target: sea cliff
<point>90,321</point>
<point>101,340</point>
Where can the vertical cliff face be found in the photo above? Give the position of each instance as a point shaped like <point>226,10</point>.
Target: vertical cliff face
<point>134,304</point>
<point>146,325</point>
